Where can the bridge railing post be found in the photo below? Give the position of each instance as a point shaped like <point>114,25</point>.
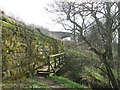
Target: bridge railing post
<point>48,61</point>
<point>55,62</point>
<point>59,60</point>
<point>63,57</point>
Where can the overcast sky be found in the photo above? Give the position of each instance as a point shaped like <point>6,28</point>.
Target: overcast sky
<point>31,12</point>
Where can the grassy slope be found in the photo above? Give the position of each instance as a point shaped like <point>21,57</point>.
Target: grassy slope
<point>80,68</point>
<point>66,82</point>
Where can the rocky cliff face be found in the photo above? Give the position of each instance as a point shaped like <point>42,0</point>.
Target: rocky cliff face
<point>24,48</point>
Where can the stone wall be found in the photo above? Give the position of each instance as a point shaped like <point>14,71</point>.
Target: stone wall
<point>24,48</point>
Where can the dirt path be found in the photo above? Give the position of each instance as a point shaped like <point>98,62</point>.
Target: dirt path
<point>49,82</point>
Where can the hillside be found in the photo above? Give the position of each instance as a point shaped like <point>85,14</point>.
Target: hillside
<point>24,48</point>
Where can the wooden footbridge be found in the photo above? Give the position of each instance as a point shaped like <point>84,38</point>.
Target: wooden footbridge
<point>54,63</point>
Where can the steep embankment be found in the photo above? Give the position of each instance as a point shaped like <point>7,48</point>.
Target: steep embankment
<point>24,48</point>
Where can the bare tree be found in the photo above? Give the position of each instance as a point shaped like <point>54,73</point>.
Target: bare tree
<point>103,16</point>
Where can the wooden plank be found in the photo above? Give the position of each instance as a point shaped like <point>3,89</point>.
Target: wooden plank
<point>56,55</point>
<point>45,68</point>
<point>53,69</point>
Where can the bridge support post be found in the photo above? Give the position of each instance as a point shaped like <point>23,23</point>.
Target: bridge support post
<point>55,61</point>
<point>48,61</point>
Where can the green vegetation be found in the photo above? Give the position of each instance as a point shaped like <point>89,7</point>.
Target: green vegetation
<point>70,53</point>
<point>94,77</point>
<point>83,71</point>
<point>66,82</point>
<point>27,84</point>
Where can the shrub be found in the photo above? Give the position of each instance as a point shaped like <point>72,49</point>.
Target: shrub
<point>73,54</point>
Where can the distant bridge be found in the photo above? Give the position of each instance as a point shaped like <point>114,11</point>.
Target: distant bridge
<point>60,35</point>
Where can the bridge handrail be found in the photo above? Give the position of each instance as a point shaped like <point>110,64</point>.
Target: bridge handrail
<point>49,61</point>
<point>55,55</point>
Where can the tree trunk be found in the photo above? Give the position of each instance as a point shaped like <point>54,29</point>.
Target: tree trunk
<point>108,45</point>
<point>109,72</point>
<point>74,36</point>
<point>118,41</point>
